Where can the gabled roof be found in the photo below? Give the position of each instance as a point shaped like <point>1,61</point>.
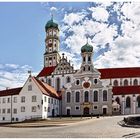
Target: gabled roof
<point>9,92</point>
<point>124,90</point>
<point>46,71</point>
<point>109,73</point>
<point>45,88</point>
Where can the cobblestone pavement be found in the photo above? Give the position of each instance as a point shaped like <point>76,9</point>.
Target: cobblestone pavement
<point>103,127</point>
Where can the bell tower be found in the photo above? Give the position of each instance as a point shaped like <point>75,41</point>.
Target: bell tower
<point>52,41</point>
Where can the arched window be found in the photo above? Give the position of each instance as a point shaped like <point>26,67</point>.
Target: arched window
<point>128,102</point>
<point>58,84</point>
<point>89,58</point>
<point>77,96</point>
<point>86,96</point>
<point>135,82</point>
<point>68,79</point>
<point>104,95</point>
<point>138,101</point>
<point>84,59</point>
<point>89,68</point>
<point>115,83</point>
<point>84,69</point>
<point>95,96</point>
<point>68,97</point>
<point>77,82</point>
<point>125,82</point>
<point>118,100</point>
<point>49,82</point>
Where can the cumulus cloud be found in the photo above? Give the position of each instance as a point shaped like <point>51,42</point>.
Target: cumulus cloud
<point>116,24</point>
<point>13,75</point>
<point>53,9</point>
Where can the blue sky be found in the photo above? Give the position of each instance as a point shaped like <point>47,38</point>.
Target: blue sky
<point>112,28</point>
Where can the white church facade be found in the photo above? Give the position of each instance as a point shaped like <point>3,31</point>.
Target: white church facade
<point>60,90</point>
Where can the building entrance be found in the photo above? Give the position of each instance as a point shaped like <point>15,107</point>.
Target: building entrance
<point>104,111</point>
<point>86,111</point>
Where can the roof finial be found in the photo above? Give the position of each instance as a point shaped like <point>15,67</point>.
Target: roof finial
<point>51,16</point>
<point>29,72</point>
<point>87,40</point>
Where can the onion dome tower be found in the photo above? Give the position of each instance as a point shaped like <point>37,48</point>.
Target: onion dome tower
<point>87,54</point>
<point>52,41</point>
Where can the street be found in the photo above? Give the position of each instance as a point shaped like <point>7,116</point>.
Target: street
<point>103,127</point>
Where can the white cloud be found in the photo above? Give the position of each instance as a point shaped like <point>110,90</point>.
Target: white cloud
<point>53,9</point>
<point>12,75</point>
<point>99,13</point>
<point>73,18</point>
<point>123,51</point>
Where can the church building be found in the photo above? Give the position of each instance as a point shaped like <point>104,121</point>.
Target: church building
<point>60,90</point>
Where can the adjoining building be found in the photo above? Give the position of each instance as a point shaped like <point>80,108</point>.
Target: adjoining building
<point>60,90</point>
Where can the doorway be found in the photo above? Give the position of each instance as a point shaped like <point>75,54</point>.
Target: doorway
<point>68,112</point>
<point>104,111</point>
<point>86,111</point>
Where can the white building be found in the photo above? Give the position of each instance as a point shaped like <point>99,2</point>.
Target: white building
<point>35,100</point>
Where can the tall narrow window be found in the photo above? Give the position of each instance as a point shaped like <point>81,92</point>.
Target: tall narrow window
<point>84,59</point>
<point>138,101</point>
<point>68,97</point>
<point>89,59</point>
<point>118,100</point>
<point>29,87</point>
<point>23,99</point>
<point>58,84</point>
<point>95,96</point>
<point>86,96</point>
<point>33,98</point>
<point>128,102</point>
<point>115,83</point>
<point>68,79</point>
<point>104,95</point>
<point>77,96</point>
<point>125,82</point>
<point>135,82</point>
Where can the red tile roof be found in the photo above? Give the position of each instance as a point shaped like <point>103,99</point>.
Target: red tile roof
<point>9,92</point>
<point>45,88</point>
<point>46,71</point>
<point>119,72</point>
<point>122,90</point>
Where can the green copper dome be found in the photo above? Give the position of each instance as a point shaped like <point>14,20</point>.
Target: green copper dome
<point>86,48</point>
<point>51,24</point>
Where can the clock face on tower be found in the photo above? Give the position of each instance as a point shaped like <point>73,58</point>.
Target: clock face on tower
<point>86,85</point>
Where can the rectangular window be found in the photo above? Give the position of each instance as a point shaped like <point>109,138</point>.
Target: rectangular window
<point>15,111</point>
<point>68,97</point>
<point>15,99</point>
<point>104,95</point>
<point>48,100</point>
<point>3,111</point>
<point>3,101</point>
<point>45,109</point>
<point>33,98</point>
<point>52,101</point>
<point>33,108</point>
<point>23,109</point>
<point>30,88</point>
<point>77,108</point>
<point>8,100</point>
<point>23,99</point>
<point>95,96</point>
<point>8,110</point>
<point>48,109</point>
<point>45,99</point>
<point>95,107</point>
<point>77,97</point>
